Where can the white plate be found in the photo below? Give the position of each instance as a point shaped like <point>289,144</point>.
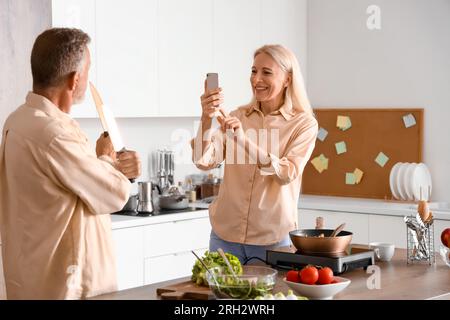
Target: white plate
<point>408,180</point>
<point>421,180</point>
<point>320,291</point>
<point>399,181</point>
<point>392,180</point>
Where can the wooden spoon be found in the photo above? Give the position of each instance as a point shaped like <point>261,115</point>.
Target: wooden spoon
<point>337,230</point>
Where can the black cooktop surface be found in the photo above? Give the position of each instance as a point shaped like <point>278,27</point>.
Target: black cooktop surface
<point>288,257</point>
<point>157,212</point>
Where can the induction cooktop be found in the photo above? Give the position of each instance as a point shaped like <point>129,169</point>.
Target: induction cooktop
<point>289,258</point>
<point>157,212</point>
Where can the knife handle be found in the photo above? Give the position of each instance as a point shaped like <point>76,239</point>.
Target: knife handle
<point>132,180</point>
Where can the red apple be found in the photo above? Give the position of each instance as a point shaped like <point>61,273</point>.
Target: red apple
<point>445,237</point>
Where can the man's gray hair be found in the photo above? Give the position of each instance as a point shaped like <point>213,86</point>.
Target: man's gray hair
<point>57,53</point>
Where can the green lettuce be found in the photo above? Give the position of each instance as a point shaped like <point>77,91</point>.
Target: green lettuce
<point>211,260</point>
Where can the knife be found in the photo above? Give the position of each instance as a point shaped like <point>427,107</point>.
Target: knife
<point>108,122</point>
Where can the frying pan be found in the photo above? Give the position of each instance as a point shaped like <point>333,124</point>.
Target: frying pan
<point>308,241</point>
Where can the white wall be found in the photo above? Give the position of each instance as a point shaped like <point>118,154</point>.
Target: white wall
<point>20,22</point>
<point>146,135</point>
<point>405,64</point>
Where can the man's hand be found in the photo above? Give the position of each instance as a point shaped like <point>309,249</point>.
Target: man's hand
<point>104,147</point>
<point>129,163</point>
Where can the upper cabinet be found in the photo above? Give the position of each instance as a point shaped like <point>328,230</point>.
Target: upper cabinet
<point>285,22</point>
<point>79,14</point>
<point>127,56</point>
<point>185,55</point>
<point>150,57</point>
<point>237,34</point>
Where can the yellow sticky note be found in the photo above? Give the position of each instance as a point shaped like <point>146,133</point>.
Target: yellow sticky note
<point>358,174</point>
<point>324,161</point>
<point>320,163</point>
<point>343,122</point>
<point>317,163</point>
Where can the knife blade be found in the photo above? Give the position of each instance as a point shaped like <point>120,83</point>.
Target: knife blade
<point>108,122</point>
<point>98,105</point>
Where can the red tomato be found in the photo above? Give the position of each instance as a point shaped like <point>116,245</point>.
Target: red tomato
<point>309,275</point>
<point>293,276</point>
<point>445,237</point>
<point>325,275</point>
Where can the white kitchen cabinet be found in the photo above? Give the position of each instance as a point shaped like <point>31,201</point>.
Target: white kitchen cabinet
<point>129,244</point>
<point>2,279</point>
<point>237,34</point>
<point>150,57</point>
<point>175,237</point>
<point>185,51</point>
<point>390,229</point>
<point>80,14</point>
<point>285,22</point>
<point>170,266</point>
<point>357,223</point>
<point>127,56</point>
<point>158,252</point>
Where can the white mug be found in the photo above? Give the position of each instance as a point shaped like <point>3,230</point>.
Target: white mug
<point>383,251</point>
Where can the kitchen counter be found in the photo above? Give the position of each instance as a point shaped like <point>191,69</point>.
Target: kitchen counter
<point>123,221</point>
<point>399,281</point>
<point>440,210</point>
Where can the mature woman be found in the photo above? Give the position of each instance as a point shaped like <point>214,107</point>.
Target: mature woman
<point>266,145</point>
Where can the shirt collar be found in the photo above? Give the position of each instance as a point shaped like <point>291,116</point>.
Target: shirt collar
<point>42,103</point>
<point>285,110</point>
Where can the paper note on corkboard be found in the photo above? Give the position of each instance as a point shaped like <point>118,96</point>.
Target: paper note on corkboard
<point>372,131</point>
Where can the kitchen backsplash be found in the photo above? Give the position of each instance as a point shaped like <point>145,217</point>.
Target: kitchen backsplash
<point>147,135</point>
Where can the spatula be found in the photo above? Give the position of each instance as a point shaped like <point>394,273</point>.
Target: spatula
<point>337,230</point>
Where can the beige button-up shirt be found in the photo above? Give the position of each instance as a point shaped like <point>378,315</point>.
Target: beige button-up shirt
<point>55,200</point>
<point>259,205</point>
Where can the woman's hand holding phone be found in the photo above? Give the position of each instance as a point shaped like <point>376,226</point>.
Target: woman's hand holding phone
<point>211,101</point>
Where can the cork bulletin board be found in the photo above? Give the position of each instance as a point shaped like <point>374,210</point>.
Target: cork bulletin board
<point>372,131</point>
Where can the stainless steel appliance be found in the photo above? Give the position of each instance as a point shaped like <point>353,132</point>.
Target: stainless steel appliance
<point>145,197</point>
<point>165,163</point>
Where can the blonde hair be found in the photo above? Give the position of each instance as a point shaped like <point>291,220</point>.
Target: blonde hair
<point>296,91</point>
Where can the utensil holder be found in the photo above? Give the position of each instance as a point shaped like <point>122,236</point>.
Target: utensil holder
<point>413,246</point>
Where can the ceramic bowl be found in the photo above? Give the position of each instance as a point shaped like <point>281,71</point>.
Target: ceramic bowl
<point>319,291</point>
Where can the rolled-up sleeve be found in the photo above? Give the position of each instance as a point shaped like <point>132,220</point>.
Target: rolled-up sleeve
<point>101,187</point>
<point>214,153</point>
<point>291,165</point>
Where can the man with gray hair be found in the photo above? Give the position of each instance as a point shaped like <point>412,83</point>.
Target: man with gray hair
<point>56,192</point>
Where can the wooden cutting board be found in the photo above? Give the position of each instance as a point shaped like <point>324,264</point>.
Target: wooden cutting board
<point>185,291</point>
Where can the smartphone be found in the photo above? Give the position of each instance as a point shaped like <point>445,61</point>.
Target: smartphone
<point>212,81</point>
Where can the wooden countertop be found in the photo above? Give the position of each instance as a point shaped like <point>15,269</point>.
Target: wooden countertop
<point>399,281</point>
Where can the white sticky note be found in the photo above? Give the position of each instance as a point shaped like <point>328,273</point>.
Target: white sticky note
<point>409,120</point>
<point>322,134</point>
